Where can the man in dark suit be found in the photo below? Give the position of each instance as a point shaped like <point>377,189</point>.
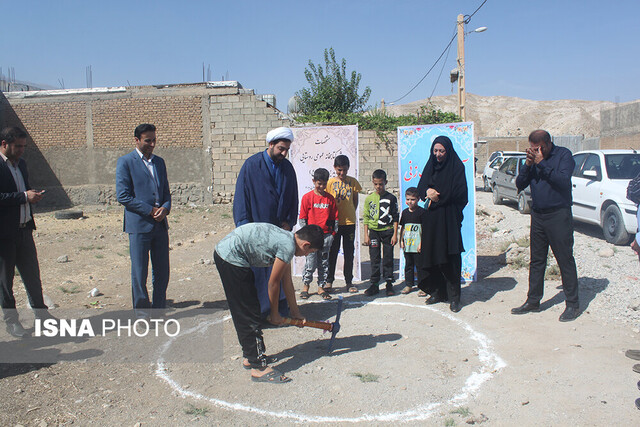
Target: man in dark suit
<point>142,188</point>
<point>547,170</point>
<point>17,248</point>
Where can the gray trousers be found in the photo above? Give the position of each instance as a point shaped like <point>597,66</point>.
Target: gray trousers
<point>318,260</point>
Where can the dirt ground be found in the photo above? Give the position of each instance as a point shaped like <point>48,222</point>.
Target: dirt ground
<point>395,359</point>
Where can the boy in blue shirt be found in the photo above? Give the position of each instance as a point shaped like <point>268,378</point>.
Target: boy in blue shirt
<point>261,245</point>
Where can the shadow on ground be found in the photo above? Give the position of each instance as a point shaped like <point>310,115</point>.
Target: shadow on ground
<point>486,289</point>
<point>588,289</point>
<point>307,352</point>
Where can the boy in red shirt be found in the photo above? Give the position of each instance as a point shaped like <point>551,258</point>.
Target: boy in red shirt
<point>319,207</point>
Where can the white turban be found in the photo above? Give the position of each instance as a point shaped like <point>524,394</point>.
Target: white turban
<point>279,133</point>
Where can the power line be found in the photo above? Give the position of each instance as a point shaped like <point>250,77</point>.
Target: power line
<point>466,21</point>
<point>425,76</point>
<point>446,49</point>
<point>444,63</point>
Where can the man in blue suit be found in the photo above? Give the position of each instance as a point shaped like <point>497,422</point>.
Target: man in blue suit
<point>17,248</point>
<point>143,189</point>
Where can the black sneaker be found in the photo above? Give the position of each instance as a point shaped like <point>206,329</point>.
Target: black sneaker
<point>372,290</point>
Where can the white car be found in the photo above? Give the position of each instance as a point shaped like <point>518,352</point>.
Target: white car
<point>600,179</point>
<point>496,159</point>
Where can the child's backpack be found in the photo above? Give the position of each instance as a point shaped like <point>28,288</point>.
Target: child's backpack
<point>633,190</point>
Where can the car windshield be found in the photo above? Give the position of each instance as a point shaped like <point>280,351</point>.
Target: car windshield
<point>622,166</point>
<point>521,161</point>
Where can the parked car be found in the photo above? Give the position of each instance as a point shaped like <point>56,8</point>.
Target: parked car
<point>496,159</point>
<point>599,181</point>
<point>503,184</point>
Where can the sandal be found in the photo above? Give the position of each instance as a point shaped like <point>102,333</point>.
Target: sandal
<point>353,290</point>
<point>304,295</point>
<point>407,290</point>
<point>270,360</point>
<point>422,294</point>
<point>324,294</point>
<point>328,289</point>
<point>390,292</point>
<point>274,377</point>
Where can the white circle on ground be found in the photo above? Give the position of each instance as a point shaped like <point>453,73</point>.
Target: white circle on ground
<point>491,363</point>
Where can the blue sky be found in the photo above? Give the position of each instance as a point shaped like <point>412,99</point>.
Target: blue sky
<point>539,50</point>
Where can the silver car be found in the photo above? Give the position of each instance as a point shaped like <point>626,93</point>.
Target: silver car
<point>496,159</point>
<point>503,184</point>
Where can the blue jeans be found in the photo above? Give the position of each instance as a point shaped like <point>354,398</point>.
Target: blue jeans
<point>319,260</point>
<point>141,245</point>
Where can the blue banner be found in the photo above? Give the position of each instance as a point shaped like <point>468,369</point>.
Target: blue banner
<point>414,143</point>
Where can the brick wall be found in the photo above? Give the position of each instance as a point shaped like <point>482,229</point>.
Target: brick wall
<point>178,120</point>
<point>54,124</point>
<point>205,132</point>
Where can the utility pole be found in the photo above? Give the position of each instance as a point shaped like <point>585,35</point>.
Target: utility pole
<point>462,111</point>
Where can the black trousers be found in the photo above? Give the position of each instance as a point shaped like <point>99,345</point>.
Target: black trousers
<point>442,280</point>
<point>409,267</point>
<point>346,233</point>
<point>381,239</point>
<point>553,229</point>
<point>21,253</point>
<point>242,297</point>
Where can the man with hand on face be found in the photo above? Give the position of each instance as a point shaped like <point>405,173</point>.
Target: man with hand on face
<point>267,191</point>
<point>548,170</point>
<point>17,248</point>
<point>142,188</point>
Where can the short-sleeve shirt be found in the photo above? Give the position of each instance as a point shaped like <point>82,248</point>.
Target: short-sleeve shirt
<point>319,210</point>
<point>411,222</point>
<point>344,193</point>
<point>257,244</point>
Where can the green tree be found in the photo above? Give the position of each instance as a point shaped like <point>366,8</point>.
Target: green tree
<point>330,89</point>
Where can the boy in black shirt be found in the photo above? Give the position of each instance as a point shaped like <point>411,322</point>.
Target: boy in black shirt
<point>410,236</point>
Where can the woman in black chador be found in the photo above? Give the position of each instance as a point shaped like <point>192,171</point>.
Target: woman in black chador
<point>444,187</point>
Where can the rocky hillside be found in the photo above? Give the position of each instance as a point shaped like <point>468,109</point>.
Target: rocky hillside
<point>509,116</point>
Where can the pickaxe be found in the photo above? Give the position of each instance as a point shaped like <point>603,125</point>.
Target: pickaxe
<point>332,327</point>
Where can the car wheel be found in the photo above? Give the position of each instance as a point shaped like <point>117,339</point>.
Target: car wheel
<point>523,206</point>
<point>497,200</point>
<point>486,188</point>
<point>613,226</point>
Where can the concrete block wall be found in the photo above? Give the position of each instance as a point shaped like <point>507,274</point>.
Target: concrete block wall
<point>378,151</point>
<point>620,127</point>
<point>238,127</point>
